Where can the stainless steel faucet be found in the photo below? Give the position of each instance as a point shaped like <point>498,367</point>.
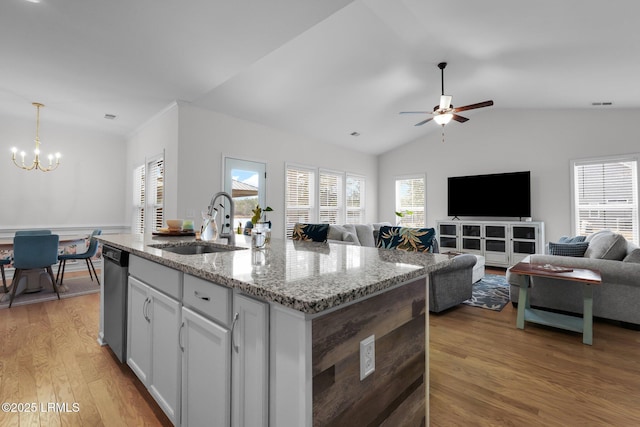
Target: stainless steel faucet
<point>226,220</point>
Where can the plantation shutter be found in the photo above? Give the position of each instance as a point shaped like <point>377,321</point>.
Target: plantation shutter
<point>331,196</point>
<point>156,192</point>
<point>299,197</point>
<point>355,199</point>
<point>410,200</point>
<point>137,225</point>
<point>606,196</point>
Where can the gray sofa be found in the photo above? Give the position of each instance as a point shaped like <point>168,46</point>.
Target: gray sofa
<point>361,234</point>
<point>617,298</point>
<point>451,285</point>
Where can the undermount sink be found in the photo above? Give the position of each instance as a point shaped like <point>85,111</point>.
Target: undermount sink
<point>194,248</point>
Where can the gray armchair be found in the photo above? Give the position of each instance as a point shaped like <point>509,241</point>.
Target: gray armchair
<point>451,285</point>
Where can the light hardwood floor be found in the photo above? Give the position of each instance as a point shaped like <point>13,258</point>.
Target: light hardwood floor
<point>486,372</point>
<point>483,371</point>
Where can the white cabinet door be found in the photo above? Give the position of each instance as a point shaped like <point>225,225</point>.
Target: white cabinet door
<point>206,372</point>
<point>164,383</point>
<point>138,328</point>
<point>250,362</point>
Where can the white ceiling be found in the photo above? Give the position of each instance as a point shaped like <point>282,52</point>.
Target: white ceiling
<point>318,68</point>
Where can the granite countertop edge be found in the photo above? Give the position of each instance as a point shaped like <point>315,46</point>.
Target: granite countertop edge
<point>299,302</point>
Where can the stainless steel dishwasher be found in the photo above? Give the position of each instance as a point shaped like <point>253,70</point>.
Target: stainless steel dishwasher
<point>116,272</point>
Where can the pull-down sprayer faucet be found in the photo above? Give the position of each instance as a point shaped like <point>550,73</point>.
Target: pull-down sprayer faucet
<point>226,221</point>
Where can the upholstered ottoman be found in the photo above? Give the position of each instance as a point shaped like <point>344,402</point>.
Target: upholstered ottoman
<point>478,269</point>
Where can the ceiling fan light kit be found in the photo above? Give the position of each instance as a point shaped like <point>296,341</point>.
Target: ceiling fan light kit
<point>445,112</point>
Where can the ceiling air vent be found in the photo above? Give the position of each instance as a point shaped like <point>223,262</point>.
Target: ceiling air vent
<point>355,134</point>
<point>606,103</point>
<point>109,116</point>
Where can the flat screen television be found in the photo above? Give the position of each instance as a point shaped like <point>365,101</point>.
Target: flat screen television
<point>494,195</point>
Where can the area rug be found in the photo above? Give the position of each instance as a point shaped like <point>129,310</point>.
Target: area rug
<point>76,286</point>
<point>491,292</point>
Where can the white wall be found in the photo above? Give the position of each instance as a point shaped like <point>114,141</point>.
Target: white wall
<point>157,135</point>
<point>493,141</point>
<point>206,136</point>
<point>84,192</point>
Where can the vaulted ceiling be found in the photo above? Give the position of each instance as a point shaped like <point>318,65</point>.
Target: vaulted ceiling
<point>320,69</point>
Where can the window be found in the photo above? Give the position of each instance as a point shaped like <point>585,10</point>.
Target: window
<point>355,199</point>
<point>410,201</point>
<point>299,197</point>
<point>148,196</point>
<point>336,197</point>
<point>605,196</point>
<point>331,195</point>
<point>138,200</point>
<point>155,185</point>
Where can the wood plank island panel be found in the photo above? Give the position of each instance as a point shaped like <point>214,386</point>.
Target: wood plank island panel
<point>394,394</point>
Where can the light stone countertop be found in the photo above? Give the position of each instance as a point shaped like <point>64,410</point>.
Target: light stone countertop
<point>305,276</point>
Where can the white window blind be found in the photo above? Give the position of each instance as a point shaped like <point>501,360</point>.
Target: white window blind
<point>137,225</point>
<point>410,201</point>
<point>155,185</point>
<point>605,196</point>
<point>299,197</point>
<point>331,197</point>
<point>355,199</point>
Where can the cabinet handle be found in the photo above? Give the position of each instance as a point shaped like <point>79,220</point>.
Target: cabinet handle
<point>233,326</point>
<point>145,311</point>
<point>180,337</point>
<point>201,296</point>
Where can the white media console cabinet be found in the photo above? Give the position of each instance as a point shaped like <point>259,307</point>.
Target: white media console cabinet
<point>502,243</point>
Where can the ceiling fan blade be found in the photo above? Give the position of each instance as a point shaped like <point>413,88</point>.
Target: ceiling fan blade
<point>473,106</point>
<point>445,102</point>
<point>415,112</point>
<point>424,121</point>
<point>459,119</point>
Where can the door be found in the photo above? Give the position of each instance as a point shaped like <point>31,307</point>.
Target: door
<point>164,383</point>
<point>206,372</point>
<point>246,182</point>
<point>138,327</point>
<point>250,363</point>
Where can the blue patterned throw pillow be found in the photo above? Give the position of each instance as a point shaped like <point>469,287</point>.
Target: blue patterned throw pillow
<point>576,239</point>
<point>406,238</point>
<point>568,249</point>
<point>310,232</point>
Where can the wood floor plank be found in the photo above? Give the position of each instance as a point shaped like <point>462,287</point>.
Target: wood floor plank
<point>483,371</point>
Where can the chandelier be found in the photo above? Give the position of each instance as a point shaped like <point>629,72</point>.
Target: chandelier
<point>36,161</point>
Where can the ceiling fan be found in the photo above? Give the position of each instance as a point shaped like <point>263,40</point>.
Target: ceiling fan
<point>445,112</point>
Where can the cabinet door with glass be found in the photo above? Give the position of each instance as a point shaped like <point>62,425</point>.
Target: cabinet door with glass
<point>448,236</point>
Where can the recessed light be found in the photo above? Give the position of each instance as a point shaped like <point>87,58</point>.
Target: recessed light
<point>355,134</point>
<point>33,1</point>
<point>109,116</point>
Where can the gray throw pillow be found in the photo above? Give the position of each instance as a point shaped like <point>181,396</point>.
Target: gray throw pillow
<point>335,232</point>
<point>350,228</point>
<point>606,245</point>
<point>568,249</point>
<point>634,256</point>
<point>365,235</point>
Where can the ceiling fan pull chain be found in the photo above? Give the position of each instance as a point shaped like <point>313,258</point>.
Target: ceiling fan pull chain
<point>443,134</point>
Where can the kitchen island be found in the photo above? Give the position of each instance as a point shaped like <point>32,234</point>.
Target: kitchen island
<point>299,334</point>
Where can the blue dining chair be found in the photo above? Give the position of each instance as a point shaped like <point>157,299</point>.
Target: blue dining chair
<point>34,251</point>
<point>86,256</point>
<point>32,232</point>
<point>4,262</point>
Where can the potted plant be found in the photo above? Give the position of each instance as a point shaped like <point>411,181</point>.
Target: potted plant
<point>260,227</point>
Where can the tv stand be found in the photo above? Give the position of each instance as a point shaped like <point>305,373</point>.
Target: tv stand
<point>502,243</point>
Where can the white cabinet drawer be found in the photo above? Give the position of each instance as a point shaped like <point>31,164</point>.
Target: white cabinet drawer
<point>164,279</point>
<point>214,301</point>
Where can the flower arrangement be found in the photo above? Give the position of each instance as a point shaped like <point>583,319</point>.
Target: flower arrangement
<point>258,212</point>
